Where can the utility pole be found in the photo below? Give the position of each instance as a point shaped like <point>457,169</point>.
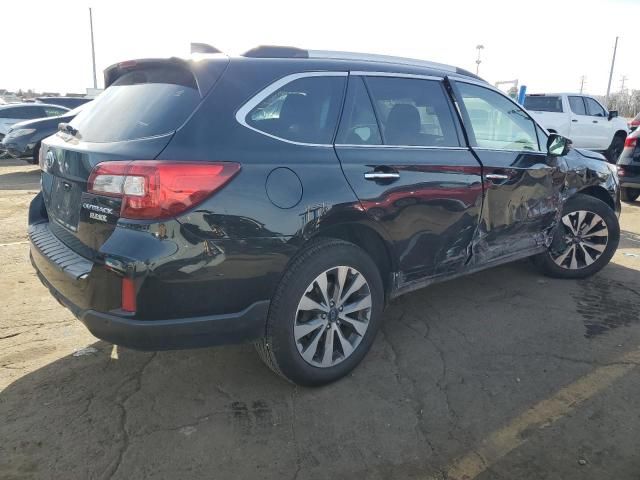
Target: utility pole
<point>582,79</point>
<point>622,80</point>
<point>613,62</point>
<point>93,50</point>
<point>478,61</point>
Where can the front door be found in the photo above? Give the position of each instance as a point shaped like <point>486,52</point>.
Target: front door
<point>401,149</point>
<point>600,125</point>
<point>522,184</point>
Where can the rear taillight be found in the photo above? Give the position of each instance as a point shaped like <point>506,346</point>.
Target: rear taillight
<point>155,190</point>
<point>631,142</point>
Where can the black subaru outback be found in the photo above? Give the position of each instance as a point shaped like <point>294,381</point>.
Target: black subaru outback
<point>282,197</point>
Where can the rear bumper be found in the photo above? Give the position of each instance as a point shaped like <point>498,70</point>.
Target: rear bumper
<point>80,285</point>
<point>629,181</point>
<point>241,327</point>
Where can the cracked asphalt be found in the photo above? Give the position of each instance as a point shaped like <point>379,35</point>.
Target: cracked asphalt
<point>504,374</point>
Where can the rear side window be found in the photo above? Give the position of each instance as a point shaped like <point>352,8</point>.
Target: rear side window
<point>304,110</point>
<point>543,103</point>
<point>577,105</point>
<point>358,125</point>
<point>142,103</point>
<point>413,112</point>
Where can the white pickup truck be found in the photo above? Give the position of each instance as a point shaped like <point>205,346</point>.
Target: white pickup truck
<point>582,119</point>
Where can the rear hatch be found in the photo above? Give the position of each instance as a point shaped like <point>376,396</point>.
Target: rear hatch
<point>144,103</point>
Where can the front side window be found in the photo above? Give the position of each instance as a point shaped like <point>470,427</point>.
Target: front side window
<point>594,108</point>
<point>497,122</point>
<point>577,105</point>
<point>358,125</point>
<point>304,110</point>
<point>413,112</point>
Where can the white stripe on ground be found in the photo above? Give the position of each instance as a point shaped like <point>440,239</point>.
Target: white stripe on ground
<point>503,441</point>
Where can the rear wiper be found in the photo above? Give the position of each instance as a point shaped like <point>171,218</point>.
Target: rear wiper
<point>65,127</point>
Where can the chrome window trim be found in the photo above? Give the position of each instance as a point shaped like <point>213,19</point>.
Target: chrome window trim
<point>487,149</point>
<point>401,147</point>
<point>364,73</point>
<point>241,114</point>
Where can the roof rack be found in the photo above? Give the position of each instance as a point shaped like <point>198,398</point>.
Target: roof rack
<point>275,51</point>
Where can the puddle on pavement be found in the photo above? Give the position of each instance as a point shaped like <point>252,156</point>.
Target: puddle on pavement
<point>606,305</point>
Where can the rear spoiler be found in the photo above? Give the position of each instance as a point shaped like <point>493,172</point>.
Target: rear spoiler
<point>206,70</point>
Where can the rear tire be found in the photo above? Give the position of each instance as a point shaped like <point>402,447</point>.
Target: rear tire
<point>324,315</point>
<point>615,149</point>
<point>584,242</point>
<point>629,194</point>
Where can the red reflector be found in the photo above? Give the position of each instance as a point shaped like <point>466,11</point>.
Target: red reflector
<point>631,142</point>
<point>156,190</point>
<point>128,295</point>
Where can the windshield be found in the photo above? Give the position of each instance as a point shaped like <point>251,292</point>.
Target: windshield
<point>145,102</point>
<point>543,103</point>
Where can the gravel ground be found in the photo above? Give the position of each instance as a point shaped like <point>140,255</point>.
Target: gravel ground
<point>504,374</point>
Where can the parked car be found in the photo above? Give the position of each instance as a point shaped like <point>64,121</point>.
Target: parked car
<point>629,168</point>
<point>23,138</point>
<point>582,119</point>
<point>68,102</point>
<point>283,197</point>
<point>17,112</point>
<point>635,123</point>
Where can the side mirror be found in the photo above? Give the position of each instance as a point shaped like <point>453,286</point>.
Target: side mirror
<point>613,114</point>
<point>557,145</point>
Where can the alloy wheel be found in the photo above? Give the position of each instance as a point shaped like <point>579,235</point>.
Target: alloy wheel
<point>332,316</point>
<point>585,239</point>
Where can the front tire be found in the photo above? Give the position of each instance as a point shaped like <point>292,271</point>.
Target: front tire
<point>324,315</point>
<point>584,241</point>
<point>629,194</point>
<point>615,149</point>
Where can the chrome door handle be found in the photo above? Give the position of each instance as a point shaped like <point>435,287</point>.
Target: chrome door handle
<point>496,176</point>
<point>381,175</point>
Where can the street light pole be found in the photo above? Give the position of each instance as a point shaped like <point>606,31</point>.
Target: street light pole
<point>93,50</point>
<point>478,61</point>
<point>613,62</point>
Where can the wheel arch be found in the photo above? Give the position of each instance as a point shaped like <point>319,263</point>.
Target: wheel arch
<point>370,241</point>
<point>600,193</point>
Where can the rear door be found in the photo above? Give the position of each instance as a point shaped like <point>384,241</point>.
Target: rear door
<point>521,184</point>
<point>582,129</point>
<point>133,119</point>
<point>403,153</point>
<point>600,124</point>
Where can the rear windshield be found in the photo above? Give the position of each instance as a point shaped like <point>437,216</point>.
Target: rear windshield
<point>141,103</point>
<point>543,104</point>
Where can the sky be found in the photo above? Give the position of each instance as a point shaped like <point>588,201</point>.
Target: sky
<point>545,44</point>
